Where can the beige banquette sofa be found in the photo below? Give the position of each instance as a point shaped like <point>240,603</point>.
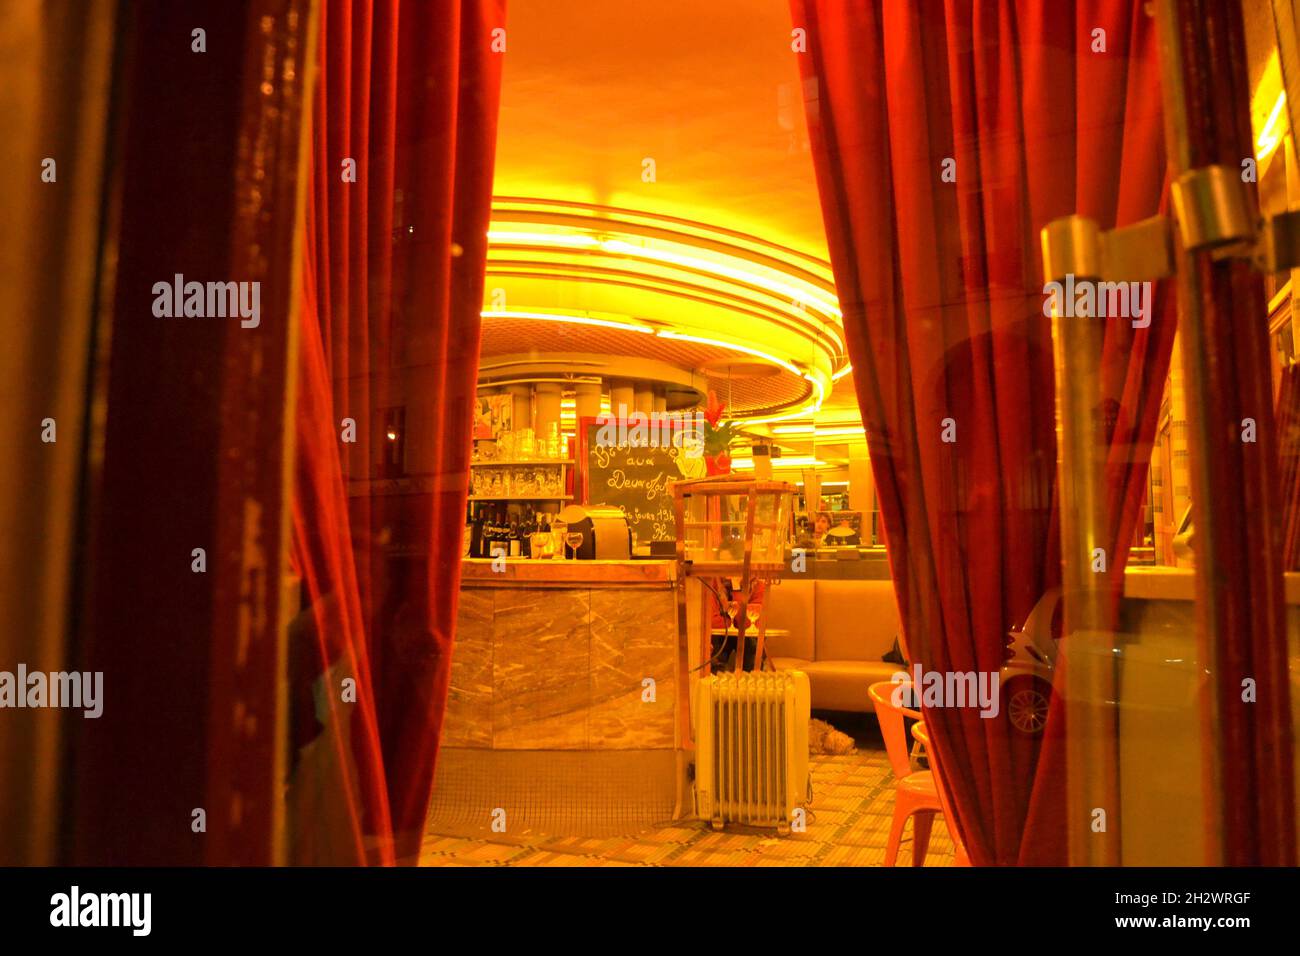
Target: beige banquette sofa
<point>838,633</point>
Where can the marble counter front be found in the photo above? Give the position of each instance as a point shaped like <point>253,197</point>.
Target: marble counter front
<point>565,655</point>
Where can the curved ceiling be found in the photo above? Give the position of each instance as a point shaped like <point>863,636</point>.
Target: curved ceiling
<point>513,347</point>
<point>710,91</point>
<point>653,183</point>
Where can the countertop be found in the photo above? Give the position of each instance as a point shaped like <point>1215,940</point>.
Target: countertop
<point>526,572</point>
<point>1179,584</point>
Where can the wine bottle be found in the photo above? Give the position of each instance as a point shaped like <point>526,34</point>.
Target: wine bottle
<point>475,531</point>
<point>512,537</point>
<point>526,533</point>
<point>489,531</point>
<point>498,534</point>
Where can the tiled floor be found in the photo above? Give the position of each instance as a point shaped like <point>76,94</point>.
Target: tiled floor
<point>853,801</point>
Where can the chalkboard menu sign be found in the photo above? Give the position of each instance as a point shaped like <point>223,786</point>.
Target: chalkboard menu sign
<point>633,477</point>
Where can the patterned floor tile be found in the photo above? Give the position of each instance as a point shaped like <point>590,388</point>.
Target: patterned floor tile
<point>848,825</point>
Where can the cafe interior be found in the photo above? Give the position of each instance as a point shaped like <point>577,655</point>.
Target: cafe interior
<point>753,433</point>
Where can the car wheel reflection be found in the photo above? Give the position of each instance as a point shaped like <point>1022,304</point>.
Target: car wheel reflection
<point>1026,700</point>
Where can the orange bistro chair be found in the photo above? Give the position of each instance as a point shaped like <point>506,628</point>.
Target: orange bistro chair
<point>915,793</point>
<point>922,734</point>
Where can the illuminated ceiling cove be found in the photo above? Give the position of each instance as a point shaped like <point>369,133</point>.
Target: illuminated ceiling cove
<point>670,281</point>
<point>655,202</point>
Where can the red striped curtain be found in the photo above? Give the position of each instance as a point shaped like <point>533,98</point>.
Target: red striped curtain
<point>398,208</point>
<point>945,135</point>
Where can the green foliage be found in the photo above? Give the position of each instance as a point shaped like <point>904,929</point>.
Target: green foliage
<point>719,438</point>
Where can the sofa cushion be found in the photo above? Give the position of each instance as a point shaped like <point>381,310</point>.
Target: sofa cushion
<point>789,607</point>
<point>842,685</point>
<point>855,621</point>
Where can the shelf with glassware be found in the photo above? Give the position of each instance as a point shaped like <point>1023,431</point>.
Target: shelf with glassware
<point>536,479</point>
<point>513,502</point>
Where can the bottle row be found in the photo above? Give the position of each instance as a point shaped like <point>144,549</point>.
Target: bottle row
<point>512,531</point>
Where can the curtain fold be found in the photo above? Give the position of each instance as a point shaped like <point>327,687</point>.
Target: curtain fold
<point>945,136</point>
<point>1288,430</point>
<point>398,208</point>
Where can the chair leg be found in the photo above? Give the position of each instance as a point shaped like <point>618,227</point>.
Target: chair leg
<point>895,833</point>
<point>921,822</point>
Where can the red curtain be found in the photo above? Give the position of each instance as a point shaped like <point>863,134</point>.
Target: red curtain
<point>398,208</point>
<point>945,136</point>
<point>1288,431</point>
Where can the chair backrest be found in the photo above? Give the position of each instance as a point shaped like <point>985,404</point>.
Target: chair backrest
<point>891,714</point>
<point>922,733</point>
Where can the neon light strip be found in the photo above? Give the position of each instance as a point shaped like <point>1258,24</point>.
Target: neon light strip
<point>767,357</point>
<point>1270,136</point>
<point>795,461</point>
<point>783,289</point>
<point>572,319</point>
<point>718,343</point>
<point>846,432</point>
<point>817,384</point>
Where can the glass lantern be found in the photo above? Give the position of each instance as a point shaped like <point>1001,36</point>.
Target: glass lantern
<point>728,525</point>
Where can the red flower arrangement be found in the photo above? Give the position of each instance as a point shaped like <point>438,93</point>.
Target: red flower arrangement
<point>718,436</point>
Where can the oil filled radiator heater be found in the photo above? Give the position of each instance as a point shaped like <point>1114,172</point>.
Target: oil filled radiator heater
<point>750,726</point>
<point>751,748</point>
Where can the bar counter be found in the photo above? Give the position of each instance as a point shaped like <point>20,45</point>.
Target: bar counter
<point>564,655</point>
<point>524,572</point>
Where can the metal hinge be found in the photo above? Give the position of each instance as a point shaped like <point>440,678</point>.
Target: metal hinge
<point>1212,211</point>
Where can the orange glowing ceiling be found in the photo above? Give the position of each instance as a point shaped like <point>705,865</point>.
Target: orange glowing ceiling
<point>710,91</point>
<point>689,113</point>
